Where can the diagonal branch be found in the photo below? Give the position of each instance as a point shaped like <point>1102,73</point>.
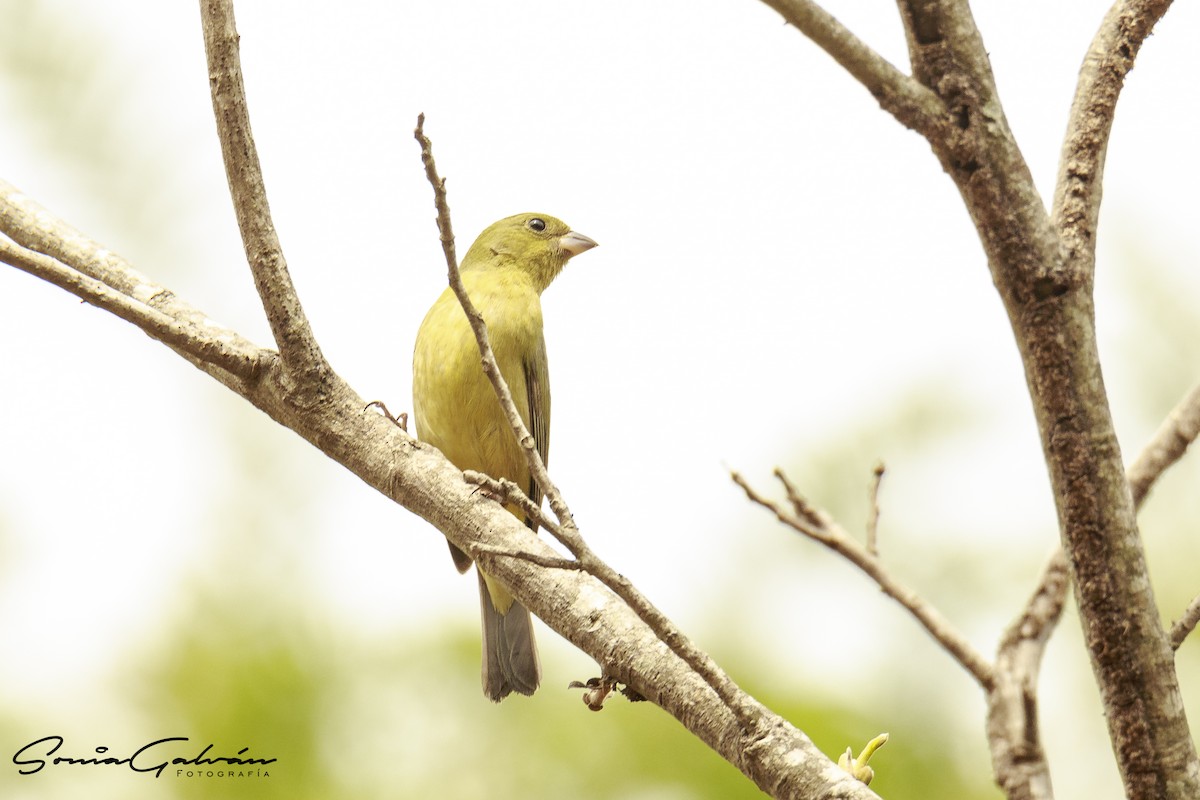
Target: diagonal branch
<point>1014,737</point>
<point>1186,624</point>
<point>238,359</point>
<point>1170,442</point>
<point>912,104</point>
<point>298,348</point>
<point>817,525</point>
<point>34,228</point>
<point>1109,59</point>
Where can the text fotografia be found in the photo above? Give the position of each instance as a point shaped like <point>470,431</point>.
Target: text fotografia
<point>155,757</point>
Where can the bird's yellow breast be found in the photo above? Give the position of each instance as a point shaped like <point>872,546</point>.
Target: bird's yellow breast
<point>454,405</point>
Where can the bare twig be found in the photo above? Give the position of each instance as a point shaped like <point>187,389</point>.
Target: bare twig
<point>1014,737</point>
<point>445,228</point>
<point>1170,442</point>
<point>298,347</point>
<point>1040,614</point>
<point>505,491</point>
<point>1186,624</point>
<point>815,516</point>
<point>1172,439</point>
<point>817,525</point>
<point>873,510</point>
<point>549,562</point>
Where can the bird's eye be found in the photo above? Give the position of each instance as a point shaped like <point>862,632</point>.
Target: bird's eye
<point>537,224</point>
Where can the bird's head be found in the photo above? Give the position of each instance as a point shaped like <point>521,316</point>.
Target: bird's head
<point>537,244</point>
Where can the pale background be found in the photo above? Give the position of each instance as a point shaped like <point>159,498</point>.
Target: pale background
<point>785,277</point>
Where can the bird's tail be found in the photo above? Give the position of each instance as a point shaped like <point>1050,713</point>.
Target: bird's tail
<point>510,657</point>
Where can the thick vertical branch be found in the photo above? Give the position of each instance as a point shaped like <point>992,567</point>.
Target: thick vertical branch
<point>1131,652</point>
<point>1018,759</point>
<point>1043,270</point>
<point>1046,289</point>
<point>302,357</point>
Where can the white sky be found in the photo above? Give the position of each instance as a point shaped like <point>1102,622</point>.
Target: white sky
<point>779,262</point>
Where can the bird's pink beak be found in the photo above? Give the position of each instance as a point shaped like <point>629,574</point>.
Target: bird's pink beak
<point>574,243</point>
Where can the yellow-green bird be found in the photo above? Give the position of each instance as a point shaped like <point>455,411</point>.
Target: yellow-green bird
<point>456,410</point>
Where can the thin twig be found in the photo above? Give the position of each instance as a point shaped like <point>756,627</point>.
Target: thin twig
<point>293,335</point>
<point>799,505</point>
<point>744,708</point>
<point>549,562</point>
<point>873,510</point>
<point>1186,624</point>
<point>1170,442</point>
<point>180,335</point>
<point>820,527</point>
<point>1044,607</point>
<point>445,228</point>
<point>506,491</point>
<point>1014,736</point>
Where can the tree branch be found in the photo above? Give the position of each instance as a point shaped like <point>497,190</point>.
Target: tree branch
<point>1186,624</point>
<point>1043,270</point>
<point>240,362</point>
<point>912,104</point>
<point>1014,738</point>
<point>302,357</point>
<point>873,510</point>
<point>1170,442</point>
<point>58,253</point>
<point>1109,59</point>
<point>1018,760</point>
<point>1130,651</point>
<point>817,525</point>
